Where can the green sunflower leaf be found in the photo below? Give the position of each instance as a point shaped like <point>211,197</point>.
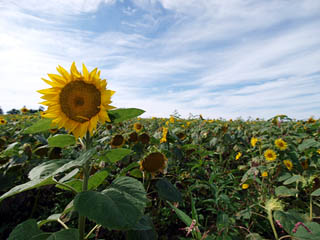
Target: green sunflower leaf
<point>316,193</point>
<point>117,154</point>
<point>122,114</point>
<point>118,207</point>
<point>283,191</point>
<point>70,234</point>
<point>167,191</point>
<point>36,183</point>
<point>39,126</point>
<point>25,230</point>
<point>61,140</point>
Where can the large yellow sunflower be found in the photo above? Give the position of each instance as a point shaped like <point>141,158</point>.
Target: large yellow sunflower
<point>77,101</point>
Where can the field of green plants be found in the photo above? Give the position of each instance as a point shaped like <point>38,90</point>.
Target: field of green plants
<point>138,178</point>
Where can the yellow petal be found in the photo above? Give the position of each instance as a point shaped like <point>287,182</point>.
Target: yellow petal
<point>85,72</point>
<point>92,74</point>
<point>57,78</point>
<point>93,123</point>
<point>53,84</point>
<point>48,91</point>
<point>64,73</point>
<point>74,71</point>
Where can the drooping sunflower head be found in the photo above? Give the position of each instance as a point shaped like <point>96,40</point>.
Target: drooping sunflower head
<point>181,136</point>
<point>144,138</point>
<point>77,101</point>
<point>311,120</point>
<point>117,141</point>
<point>137,127</point>
<point>305,164</point>
<point>153,163</point>
<point>282,145</point>
<point>288,164</point>
<point>24,110</point>
<point>53,130</point>
<point>270,155</point>
<point>133,137</point>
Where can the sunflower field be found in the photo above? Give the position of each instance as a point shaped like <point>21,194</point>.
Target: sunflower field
<point>84,170</point>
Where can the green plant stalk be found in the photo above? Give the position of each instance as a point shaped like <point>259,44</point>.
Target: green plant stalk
<point>82,219</point>
<point>92,230</point>
<point>86,173</point>
<point>310,208</point>
<point>67,186</point>
<point>272,225</point>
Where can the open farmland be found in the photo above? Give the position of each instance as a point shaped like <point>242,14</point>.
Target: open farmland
<point>161,178</point>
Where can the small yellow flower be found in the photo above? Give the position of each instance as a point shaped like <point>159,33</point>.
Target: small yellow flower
<point>167,123</point>
<point>264,174</point>
<point>42,114</point>
<point>188,124</point>
<point>137,127</point>
<point>171,120</point>
<point>238,155</point>
<point>318,151</point>
<point>164,135</point>
<point>245,186</point>
<point>282,145</point>
<point>24,110</point>
<point>288,164</point>
<point>270,155</point>
<point>253,141</point>
<point>2,121</point>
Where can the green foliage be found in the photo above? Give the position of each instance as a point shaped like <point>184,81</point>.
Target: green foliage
<point>40,126</point>
<point>202,182</point>
<point>167,191</point>
<point>117,154</point>
<point>61,140</point>
<point>122,114</point>
<point>119,207</point>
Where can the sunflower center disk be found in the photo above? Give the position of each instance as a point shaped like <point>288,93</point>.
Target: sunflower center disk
<point>80,101</point>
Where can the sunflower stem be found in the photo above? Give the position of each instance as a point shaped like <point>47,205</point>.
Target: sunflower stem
<point>86,173</point>
<point>310,208</point>
<point>272,225</point>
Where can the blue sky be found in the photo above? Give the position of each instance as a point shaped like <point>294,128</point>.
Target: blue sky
<point>228,59</point>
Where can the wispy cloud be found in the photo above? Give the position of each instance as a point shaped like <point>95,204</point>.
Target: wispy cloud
<point>219,58</point>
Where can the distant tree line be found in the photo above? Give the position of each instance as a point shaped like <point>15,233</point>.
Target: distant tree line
<point>16,111</point>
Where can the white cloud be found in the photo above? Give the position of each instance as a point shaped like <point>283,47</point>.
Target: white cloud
<point>218,58</point>
<point>58,7</point>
